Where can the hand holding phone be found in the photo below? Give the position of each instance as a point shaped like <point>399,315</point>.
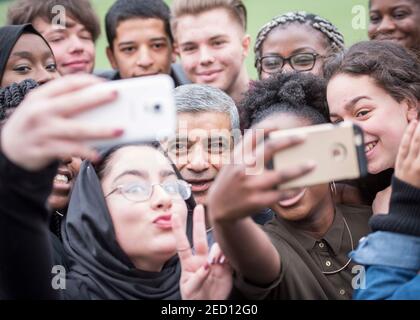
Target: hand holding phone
<point>337,150</point>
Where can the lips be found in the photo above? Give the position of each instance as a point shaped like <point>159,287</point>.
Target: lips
<point>200,185</point>
<point>164,222</point>
<point>76,64</point>
<point>62,182</point>
<point>369,147</point>
<point>145,74</point>
<point>292,197</point>
<point>208,76</point>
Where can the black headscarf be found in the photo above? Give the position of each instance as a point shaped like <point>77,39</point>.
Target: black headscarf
<point>9,35</point>
<point>100,269</point>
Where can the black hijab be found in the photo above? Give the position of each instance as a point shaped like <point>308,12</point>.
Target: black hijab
<point>9,35</point>
<point>99,267</point>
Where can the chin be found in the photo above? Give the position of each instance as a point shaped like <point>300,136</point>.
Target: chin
<point>292,214</point>
<point>57,203</point>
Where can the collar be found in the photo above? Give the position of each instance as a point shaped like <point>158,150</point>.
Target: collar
<point>334,236</point>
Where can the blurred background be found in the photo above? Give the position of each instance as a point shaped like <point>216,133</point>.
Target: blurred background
<point>350,16</point>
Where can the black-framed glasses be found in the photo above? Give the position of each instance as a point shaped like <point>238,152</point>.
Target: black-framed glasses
<point>299,62</point>
<point>142,191</point>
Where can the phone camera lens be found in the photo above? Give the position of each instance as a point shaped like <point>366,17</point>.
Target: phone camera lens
<point>157,108</point>
<point>339,152</point>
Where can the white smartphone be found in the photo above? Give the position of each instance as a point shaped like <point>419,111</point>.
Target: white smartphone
<point>145,109</point>
<point>337,150</point>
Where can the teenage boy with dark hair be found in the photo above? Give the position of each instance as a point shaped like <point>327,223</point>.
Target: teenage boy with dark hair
<point>140,42</point>
<point>71,36</point>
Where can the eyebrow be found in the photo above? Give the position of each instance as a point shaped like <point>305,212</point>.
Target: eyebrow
<point>136,173</point>
<point>299,50</point>
<point>349,106</point>
<point>158,39</point>
<point>29,55</point>
<point>126,43</point>
<point>23,54</point>
<point>167,173</point>
<point>144,175</point>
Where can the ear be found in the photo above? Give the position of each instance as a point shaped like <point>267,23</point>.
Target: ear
<point>174,53</point>
<point>176,49</point>
<point>412,110</point>
<point>246,43</point>
<point>111,58</point>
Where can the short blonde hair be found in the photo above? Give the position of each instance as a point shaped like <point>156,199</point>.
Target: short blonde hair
<point>236,9</point>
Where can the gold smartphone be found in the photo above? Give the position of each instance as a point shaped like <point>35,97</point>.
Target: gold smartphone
<point>337,150</point>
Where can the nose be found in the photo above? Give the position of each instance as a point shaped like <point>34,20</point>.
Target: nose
<point>206,56</point>
<point>43,76</point>
<point>287,68</point>
<point>198,160</point>
<point>75,45</point>
<point>144,59</point>
<point>386,25</point>
<point>160,199</point>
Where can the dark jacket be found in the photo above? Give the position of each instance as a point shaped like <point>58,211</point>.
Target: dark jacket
<point>98,268</point>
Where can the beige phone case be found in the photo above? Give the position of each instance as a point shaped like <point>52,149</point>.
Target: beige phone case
<point>338,151</point>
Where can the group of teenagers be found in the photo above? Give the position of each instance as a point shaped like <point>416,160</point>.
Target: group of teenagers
<point>183,218</point>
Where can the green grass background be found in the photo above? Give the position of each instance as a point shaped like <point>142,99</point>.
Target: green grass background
<point>338,12</point>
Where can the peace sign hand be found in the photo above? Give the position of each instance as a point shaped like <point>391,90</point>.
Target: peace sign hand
<point>205,275</point>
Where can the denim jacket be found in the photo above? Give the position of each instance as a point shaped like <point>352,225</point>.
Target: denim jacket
<point>392,263</point>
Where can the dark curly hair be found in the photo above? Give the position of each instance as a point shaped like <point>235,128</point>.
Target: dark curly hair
<point>301,94</point>
<point>393,67</point>
<point>12,95</point>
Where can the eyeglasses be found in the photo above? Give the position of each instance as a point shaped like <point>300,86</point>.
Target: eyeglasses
<point>142,191</point>
<point>299,62</point>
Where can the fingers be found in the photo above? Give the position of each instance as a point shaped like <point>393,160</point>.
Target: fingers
<point>83,100</point>
<point>79,131</point>
<point>183,246</point>
<point>65,85</point>
<point>255,135</point>
<point>216,255</point>
<point>405,142</point>
<point>199,231</point>
<point>270,178</point>
<point>414,148</point>
<point>62,149</point>
<point>267,150</point>
<point>196,283</point>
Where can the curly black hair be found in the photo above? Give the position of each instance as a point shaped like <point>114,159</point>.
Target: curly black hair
<point>12,95</point>
<point>301,94</point>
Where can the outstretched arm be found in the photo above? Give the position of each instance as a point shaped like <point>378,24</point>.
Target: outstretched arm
<point>236,195</point>
<point>38,133</point>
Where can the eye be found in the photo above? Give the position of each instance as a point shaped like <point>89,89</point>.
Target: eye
<point>218,43</point>
<point>56,39</point>
<point>400,14</point>
<point>85,36</point>
<point>188,48</point>
<point>128,50</point>
<point>272,63</point>
<point>178,147</point>
<point>336,120</point>
<point>158,45</point>
<point>52,67</point>
<point>22,69</point>
<point>303,59</point>
<point>135,188</point>
<point>171,187</point>
<point>362,113</point>
<point>375,18</point>
<point>218,146</point>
